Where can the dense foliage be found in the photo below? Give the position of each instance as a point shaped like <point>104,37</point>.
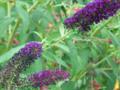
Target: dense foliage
<point>91,58</point>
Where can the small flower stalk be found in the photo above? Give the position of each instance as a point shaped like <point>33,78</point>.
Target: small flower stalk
<point>47,77</point>
<point>20,61</point>
<point>93,12</point>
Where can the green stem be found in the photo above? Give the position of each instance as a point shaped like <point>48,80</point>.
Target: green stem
<point>104,59</point>
<point>9,87</point>
<point>9,7</point>
<point>79,75</point>
<point>107,22</point>
<point>12,32</point>
<point>97,30</point>
<point>57,41</point>
<point>33,6</point>
<point>106,69</point>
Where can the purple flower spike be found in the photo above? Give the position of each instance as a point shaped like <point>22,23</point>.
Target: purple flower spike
<point>26,55</point>
<point>93,12</point>
<point>20,61</point>
<point>48,77</point>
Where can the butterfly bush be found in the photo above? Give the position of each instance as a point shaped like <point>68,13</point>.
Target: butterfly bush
<point>48,77</point>
<point>21,60</point>
<point>93,12</point>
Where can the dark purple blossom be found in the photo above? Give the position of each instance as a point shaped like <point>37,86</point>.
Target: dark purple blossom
<point>48,77</point>
<point>32,49</point>
<point>26,55</point>
<point>20,61</point>
<point>93,12</point>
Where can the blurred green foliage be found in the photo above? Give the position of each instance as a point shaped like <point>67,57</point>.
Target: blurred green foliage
<point>90,57</point>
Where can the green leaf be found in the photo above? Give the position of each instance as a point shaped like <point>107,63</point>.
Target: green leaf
<point>4,23</point>
<point>114,38</point>
<point>2,12</point>
<point>52,57</point>
<point>74,57</point>
<point>24,16</point>
<point>63,47</point>
<point>68,86</point>
<point>60,61</point>
<point>6,56</point>
<point>35,67</point>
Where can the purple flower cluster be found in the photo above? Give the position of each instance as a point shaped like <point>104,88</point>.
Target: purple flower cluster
<point>26,55</point>
<point>47,77</point>
<point>93,12</point>
<point>32,49</point>
<point>20,61</point>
